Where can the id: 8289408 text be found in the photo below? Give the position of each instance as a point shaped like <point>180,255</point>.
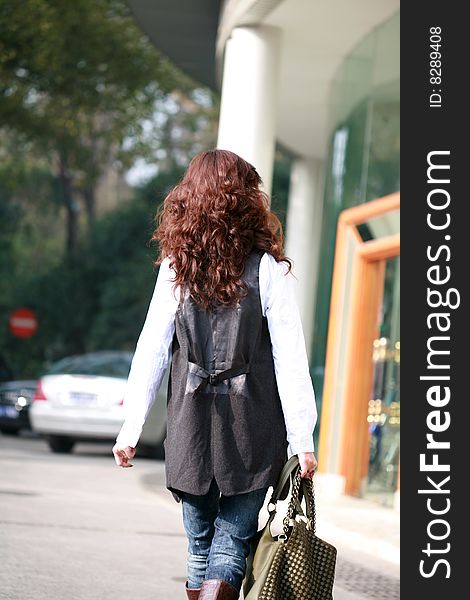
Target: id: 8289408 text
<point>435,67</point>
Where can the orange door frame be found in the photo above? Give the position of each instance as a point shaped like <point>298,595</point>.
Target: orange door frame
<point>362,309</point>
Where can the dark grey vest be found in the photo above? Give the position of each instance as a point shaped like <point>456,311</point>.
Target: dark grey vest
<point>225,417</point>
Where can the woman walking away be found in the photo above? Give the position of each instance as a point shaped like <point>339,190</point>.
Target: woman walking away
<point>240,396</point>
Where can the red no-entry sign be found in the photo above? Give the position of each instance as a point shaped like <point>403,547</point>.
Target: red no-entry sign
<point>23,323</point>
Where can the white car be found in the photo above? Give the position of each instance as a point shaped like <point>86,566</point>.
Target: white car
<point>80,398</point>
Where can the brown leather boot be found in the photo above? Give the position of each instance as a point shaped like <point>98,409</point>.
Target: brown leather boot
<point>218,589</point>
<point>192,594</point>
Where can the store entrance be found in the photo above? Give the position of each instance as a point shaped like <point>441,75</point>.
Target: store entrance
<point>360,420</point>
<point>384,403</point>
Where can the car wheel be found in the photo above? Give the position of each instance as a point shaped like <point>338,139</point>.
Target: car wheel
<point>9,430</point>
<point>61,445</point>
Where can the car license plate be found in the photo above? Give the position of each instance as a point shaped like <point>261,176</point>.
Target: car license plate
<point>9,411</point>
<point>82,398</point>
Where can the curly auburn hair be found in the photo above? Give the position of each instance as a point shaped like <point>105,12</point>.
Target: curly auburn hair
<point>210,222</point>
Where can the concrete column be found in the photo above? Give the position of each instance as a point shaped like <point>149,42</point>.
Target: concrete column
<point>249,97</point>
<point>303,229</point>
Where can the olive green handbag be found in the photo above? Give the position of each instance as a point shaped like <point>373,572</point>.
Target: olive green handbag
<point>295,565</point>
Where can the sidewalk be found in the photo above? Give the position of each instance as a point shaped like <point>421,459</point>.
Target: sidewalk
<point>367,537</point>
<point>365,534</point>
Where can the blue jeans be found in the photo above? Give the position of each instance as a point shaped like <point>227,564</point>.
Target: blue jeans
<point>219,530</point>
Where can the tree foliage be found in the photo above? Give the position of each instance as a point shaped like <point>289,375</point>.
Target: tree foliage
<point>78,79</point>
<point>93,299</point>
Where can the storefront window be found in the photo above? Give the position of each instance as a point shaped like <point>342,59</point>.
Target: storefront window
<point>384,403</point>
<point>363,160</point>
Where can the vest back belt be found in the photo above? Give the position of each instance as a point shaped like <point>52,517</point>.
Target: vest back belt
<point>218,376</point>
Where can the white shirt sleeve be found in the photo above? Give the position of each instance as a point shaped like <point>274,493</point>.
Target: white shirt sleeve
<point>151,357</point>
<point>289,353</point>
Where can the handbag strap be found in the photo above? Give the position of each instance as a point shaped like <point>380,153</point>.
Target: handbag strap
<point>288,470</point>
<point>301,488</point>
<point>308,492</point>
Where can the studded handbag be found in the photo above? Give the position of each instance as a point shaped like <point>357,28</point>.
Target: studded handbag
<point>296,564</point>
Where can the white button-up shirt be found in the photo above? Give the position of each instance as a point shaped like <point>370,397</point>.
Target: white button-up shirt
<point>153,354</point>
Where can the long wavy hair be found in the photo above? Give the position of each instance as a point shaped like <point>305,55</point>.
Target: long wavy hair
<point>210,222</point>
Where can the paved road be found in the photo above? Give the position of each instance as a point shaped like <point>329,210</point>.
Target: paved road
<point>78,527</point>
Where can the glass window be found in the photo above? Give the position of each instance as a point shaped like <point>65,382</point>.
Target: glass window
<point>107,365</point>
<point>363,159</point>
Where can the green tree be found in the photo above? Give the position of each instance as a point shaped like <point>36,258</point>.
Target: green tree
<point>94,299</point>
<point>78,79</point>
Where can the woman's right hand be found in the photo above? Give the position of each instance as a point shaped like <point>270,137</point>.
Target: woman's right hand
<point>122,455</point>
<point>308,464</point>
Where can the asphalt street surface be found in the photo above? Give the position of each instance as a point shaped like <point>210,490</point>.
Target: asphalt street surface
<point>79,527</point>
